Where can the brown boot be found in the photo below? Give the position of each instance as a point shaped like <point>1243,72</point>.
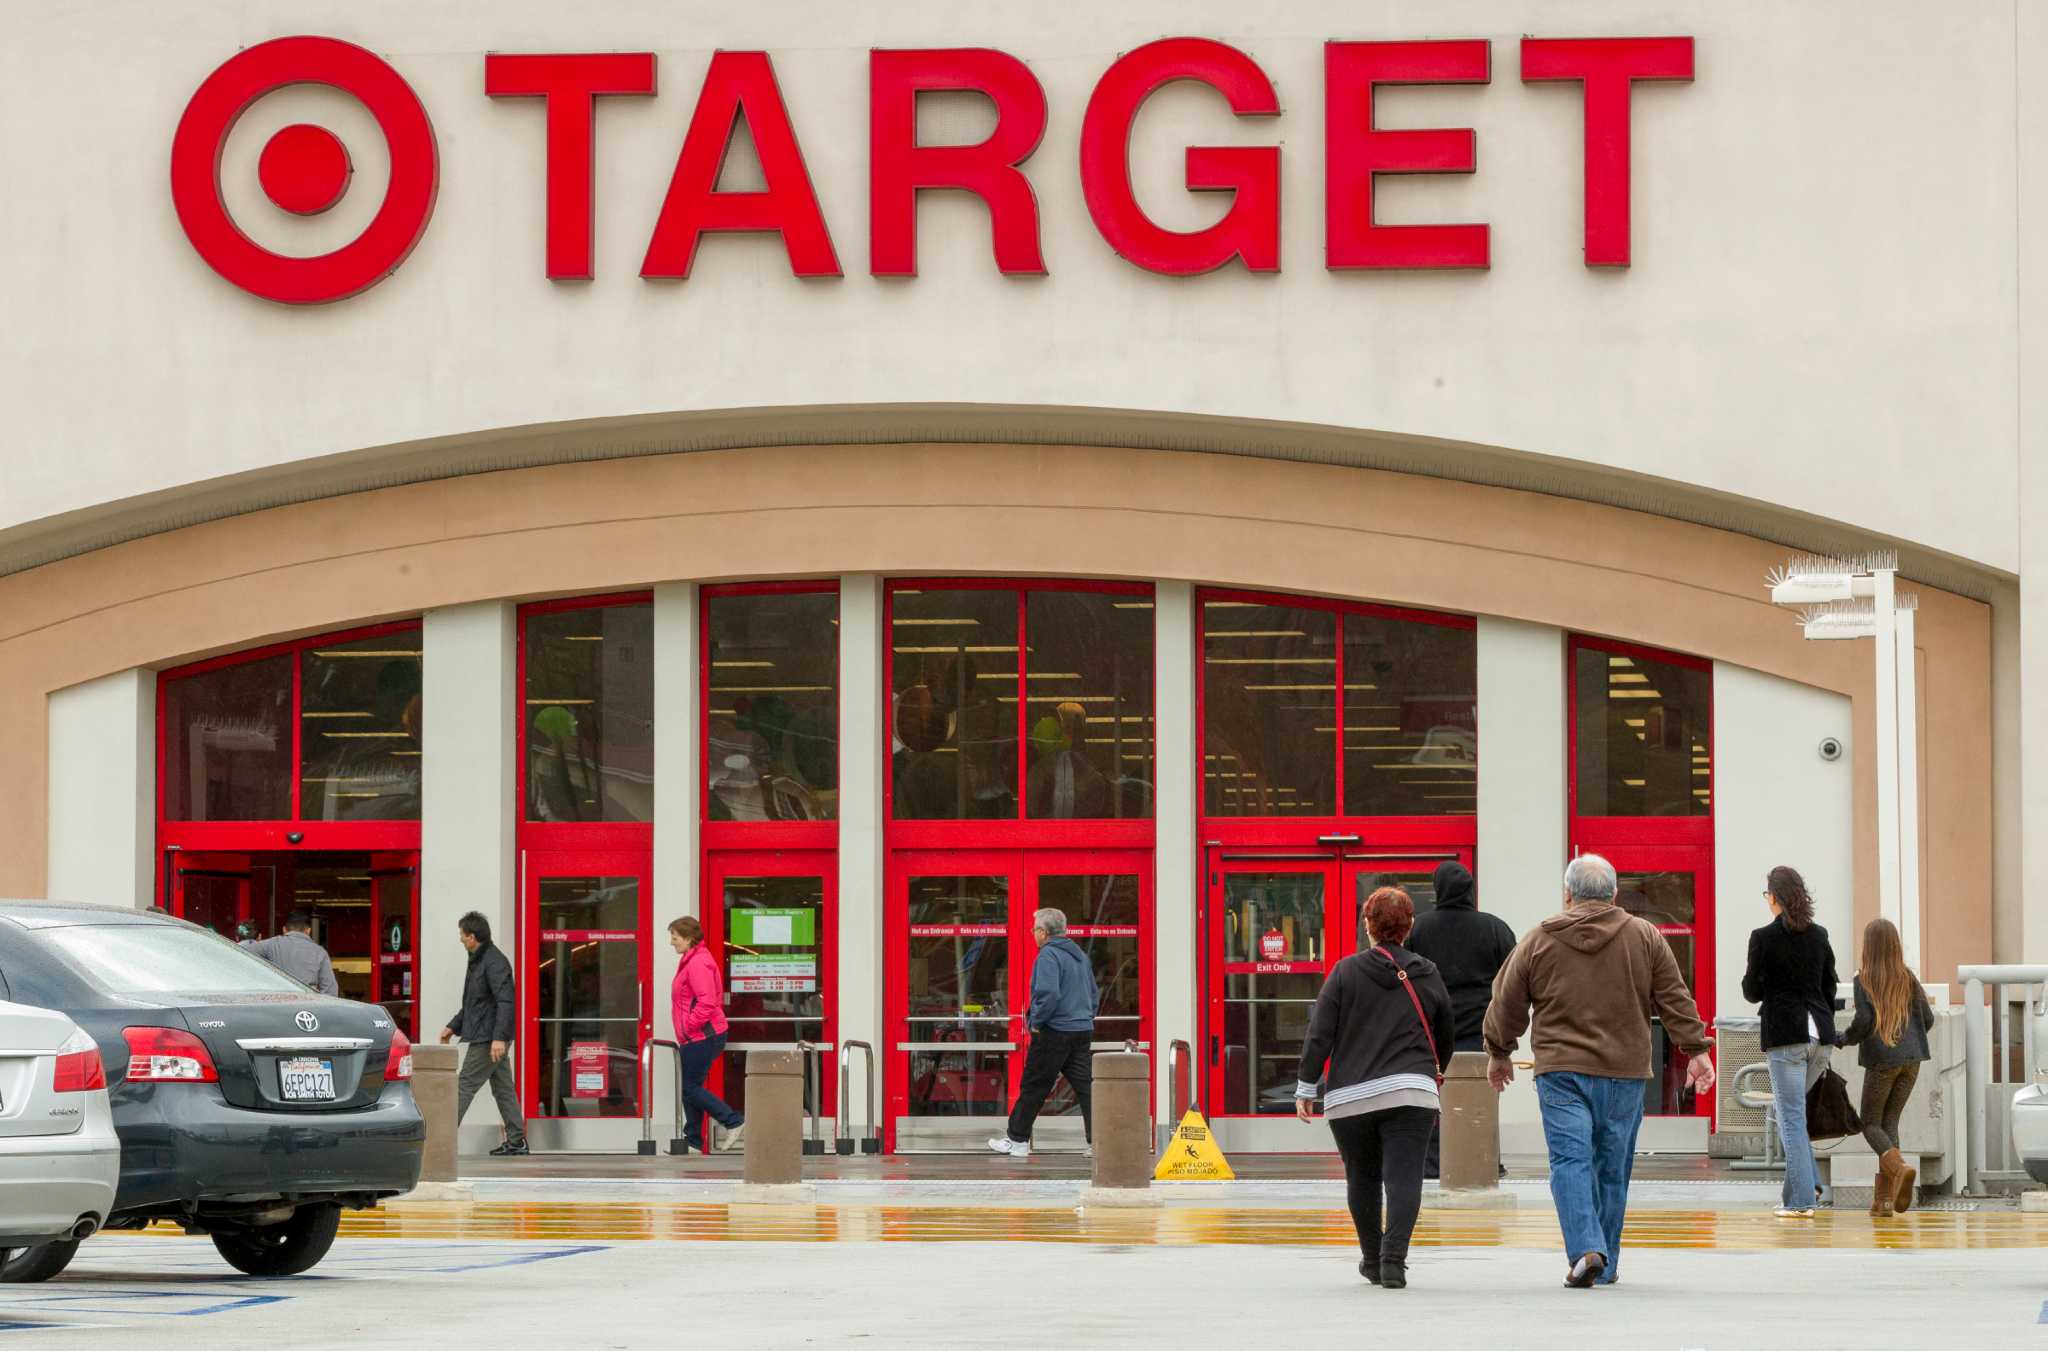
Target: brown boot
<point>1908,1176</point>
<point>1884,1189</point>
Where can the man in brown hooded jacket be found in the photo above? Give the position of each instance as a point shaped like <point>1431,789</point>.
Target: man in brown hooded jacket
<point>1594,976</point>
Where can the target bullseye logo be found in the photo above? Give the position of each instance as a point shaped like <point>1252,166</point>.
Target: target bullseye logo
<point>304,170</point>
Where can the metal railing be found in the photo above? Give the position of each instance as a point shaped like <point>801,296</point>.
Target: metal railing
<point>1179,1057</point>
<point>1991,1028</point>
<point>676,1143</point>
<point>843,1137</point>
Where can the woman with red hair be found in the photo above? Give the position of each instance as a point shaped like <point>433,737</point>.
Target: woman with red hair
<point>1384,1030</point>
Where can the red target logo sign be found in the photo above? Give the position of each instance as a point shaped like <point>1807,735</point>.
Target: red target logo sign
<point>304,169</point>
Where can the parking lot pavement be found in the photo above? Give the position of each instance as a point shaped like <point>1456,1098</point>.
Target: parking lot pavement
<point>490,1295</point>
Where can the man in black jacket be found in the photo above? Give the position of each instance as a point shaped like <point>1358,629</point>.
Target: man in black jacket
<point>486,1022</point>
<point>1469,948</point>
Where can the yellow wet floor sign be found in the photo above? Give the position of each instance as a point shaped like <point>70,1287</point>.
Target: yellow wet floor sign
<point>1191,1154</point>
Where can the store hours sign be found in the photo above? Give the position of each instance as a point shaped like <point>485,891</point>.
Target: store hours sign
<point>304,169</point>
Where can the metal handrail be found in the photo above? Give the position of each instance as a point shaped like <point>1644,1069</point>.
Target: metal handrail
<point>1986,1021</point>
<point>814,1092</point>
<point>1179,1053</point>
<point>676,1143</point>
<point>842,1131</point>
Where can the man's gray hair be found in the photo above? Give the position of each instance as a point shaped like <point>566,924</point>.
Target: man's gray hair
<point>1054,922</point>
<point>1590,877</point>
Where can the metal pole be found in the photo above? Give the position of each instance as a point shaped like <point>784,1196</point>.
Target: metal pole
<point>1977,1037</point>
<point>1887,749</point>
<point>1909,789</point>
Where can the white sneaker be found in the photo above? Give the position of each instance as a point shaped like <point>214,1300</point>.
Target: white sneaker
<point>731,1143</point>
<point>1016,1149</point>
<point>1789,1213</point>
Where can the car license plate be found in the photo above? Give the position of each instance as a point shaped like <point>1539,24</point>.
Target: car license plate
<point>305,1079</point>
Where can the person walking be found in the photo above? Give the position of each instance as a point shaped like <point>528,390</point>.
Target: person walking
<point>1061,1024</point>
<point>296,954</point>
<point>1381,1035</point>
<point>1791,974</point>
<point>1468,947</point>
<point>1889,1032</point>
<point>1592,975</point>
<point>698,1004</point>
<point>485,1022</point>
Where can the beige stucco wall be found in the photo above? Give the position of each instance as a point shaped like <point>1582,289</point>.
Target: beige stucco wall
<point>932,508</point>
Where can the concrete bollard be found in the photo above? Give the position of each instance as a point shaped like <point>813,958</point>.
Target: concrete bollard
<point>1122,1128</point>
<point>435,1070</point>
<point>775,1119</point>
<point>1471,1125</point>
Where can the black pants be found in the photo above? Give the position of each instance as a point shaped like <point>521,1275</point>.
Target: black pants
<point>1885,1090</point>
<point>1383,1150</point>
<point>1053,1054</point>
<point>698,1101</point>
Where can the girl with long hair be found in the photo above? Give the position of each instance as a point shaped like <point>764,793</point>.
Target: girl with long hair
<point>1889,1033</point>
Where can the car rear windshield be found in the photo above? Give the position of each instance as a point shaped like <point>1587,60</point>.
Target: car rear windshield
<point>151,959</point>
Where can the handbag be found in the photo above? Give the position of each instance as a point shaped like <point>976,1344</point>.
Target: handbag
<point>1434,1059</point>
<point>1829,1113</point>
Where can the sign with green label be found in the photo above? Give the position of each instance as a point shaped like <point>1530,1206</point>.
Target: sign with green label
<point>796,928</point>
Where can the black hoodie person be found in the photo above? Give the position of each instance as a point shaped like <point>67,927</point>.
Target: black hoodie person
<point>1468,946</point>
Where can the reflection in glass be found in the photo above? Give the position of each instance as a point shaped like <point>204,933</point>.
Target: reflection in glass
<point>359,730</point>
<point>394,953</point>
<point>1644,729</point>
<point>228,743</point>
<point>212,900</point>
<point>589,705</point>
<point>587,996</point>
<point>953,715</point>
<point>1411,731</point>
<point>1666,899</point>
<point>1269,710</point>
<point>1088,679</point>
<point>1265,1021</point>
<point>774,968</point>
<point>1273,917</point>
<point>959,991</point>
<point>1421,889</point>
<point>773,720</point>
<point>1102,918</point>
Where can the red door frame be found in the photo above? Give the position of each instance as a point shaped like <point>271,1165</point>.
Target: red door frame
<point>541,863</point>
<point>820,863</point>
<point>1339,868</point>
<point>1652,843</point>
<point>1024,868</point>
<point>1304,839</point>
<point>407,958</point>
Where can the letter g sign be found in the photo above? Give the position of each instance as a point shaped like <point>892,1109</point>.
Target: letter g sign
<point>304,170</point>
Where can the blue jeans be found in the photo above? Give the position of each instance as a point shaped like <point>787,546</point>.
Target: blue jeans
<point>698,1058</point>
<point>1590,1124</point>
<point>1794,1072</point>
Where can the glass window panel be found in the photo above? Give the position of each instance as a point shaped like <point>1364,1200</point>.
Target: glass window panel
<point>1273,917</point>
<point>953,744</point>
<point>774,957</point>
<point>394,950</point>
<point>589,707</point>
<point>1269,710</point>
<point>1644,732</point>
<point>336,890</point>
<point>1265,1021</point>
<point>774,713</point>
<point>959,959</point>
<point>1411,732</point>
<point>959,1083</point>
<point>1666,899</point>
<point>1088,684</point>
<point>1421,889</point>
<point>359,730</point>
<point>212,900</point>
<point>228,755</point>
<point>587,996</point>
<point>1102,917</point>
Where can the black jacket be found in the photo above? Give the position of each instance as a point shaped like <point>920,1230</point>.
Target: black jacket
<point>1468,948</point>
<point>1366,1031</point>
<point>488,1010</point>
<point>1872,1050</point>
<point>1793,976</point>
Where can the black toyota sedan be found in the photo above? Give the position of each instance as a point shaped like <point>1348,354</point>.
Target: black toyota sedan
<point>249,1108</point>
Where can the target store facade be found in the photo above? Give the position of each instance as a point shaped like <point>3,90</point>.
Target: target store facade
<point>860,476</point>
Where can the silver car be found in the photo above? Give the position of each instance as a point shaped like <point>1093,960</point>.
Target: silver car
<point>59,1157</point>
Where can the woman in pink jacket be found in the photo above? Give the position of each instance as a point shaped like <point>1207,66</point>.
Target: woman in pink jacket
<point>700,1028</point>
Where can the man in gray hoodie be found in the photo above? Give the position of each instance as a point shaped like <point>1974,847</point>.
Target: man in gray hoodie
<point>1061,1022</point>
<point>296,954</point>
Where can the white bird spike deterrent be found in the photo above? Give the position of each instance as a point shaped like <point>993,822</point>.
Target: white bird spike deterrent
<point>1819,567</point>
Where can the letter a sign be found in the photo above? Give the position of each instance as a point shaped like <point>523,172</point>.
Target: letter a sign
<point>1191,1154</point>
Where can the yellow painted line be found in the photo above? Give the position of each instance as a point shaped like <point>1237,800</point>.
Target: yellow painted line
<point>558,1221</point>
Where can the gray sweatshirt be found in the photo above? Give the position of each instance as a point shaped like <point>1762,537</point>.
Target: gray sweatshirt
<point>299,957</point>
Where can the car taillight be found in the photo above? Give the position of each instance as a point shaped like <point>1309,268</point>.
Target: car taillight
<point>398,1065</point>
<point>80,1071</point>
<point>166,1055</point>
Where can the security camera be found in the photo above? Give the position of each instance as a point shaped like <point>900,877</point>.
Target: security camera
<point>1830,748</point>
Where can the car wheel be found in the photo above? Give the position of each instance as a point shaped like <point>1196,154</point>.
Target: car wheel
<point>284,1249</point>
<point>39,1263</point>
